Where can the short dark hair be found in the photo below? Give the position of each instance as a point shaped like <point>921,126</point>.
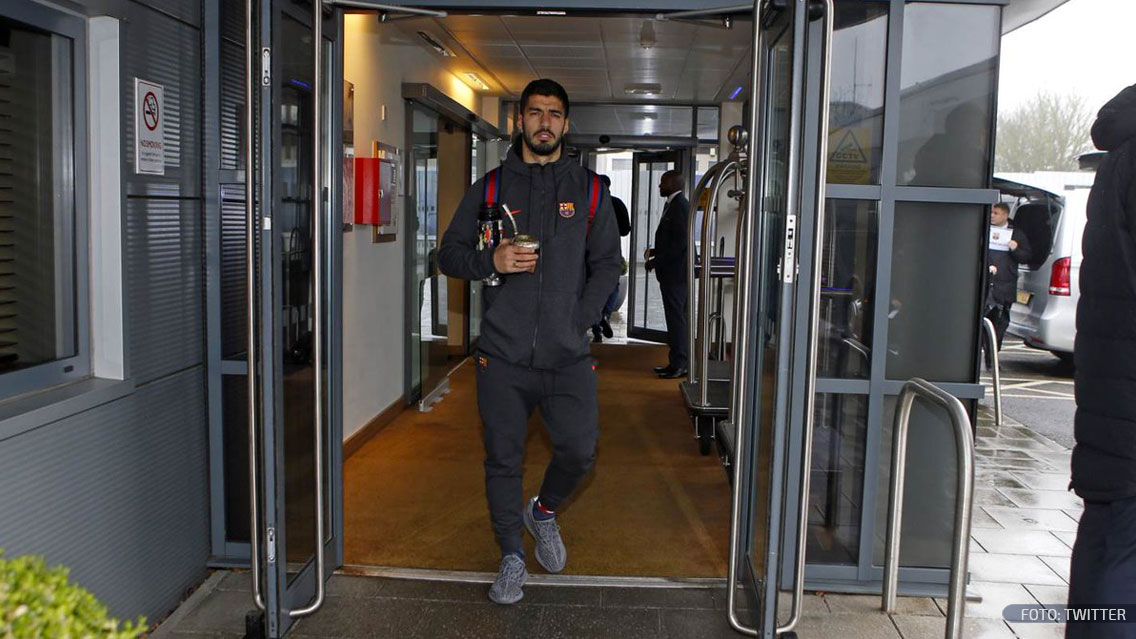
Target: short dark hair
<point>606,181</point>
<point>547,87</point>
<point>1002,205</point>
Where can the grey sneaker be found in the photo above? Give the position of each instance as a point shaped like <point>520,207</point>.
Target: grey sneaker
<point>550,551</point>
<point>511,578</point>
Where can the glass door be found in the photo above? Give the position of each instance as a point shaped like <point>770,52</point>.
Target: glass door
<point>645,301</point>
<point>766,313</point>
<point>294,537</point>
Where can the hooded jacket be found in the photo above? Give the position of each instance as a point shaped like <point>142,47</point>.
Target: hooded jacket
<point>1104,458</point>
<point>539,320</point>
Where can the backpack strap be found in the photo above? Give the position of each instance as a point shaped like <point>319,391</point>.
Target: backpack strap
<point>595,194</point>
<point>493,186</point>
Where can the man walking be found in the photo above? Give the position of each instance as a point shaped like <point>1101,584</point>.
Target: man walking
<point>668,259</point>
<point>533,350</point>
<point>1103,571</point>
<point>1008,247</point>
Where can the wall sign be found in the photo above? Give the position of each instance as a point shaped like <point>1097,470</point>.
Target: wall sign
<point>149,125</point>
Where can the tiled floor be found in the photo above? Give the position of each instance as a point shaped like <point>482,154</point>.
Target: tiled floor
<point>1023,528</point>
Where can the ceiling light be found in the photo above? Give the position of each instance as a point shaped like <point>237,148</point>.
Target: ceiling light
<point>736,92</point>
<point>643,89</point>
<point>478,83</point>
<point>641,115</point>
<point>436,45</point>
<point>647,35</point>
<point>551,13</point>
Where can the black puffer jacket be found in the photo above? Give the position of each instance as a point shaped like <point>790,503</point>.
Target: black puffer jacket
<point>540,319</point>
<point>1104,459</point>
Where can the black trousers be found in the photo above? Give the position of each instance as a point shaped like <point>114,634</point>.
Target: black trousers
<point>673,288</point>
<point>1103,567</point>
<point>1000,316</point>
<point>506,397</point>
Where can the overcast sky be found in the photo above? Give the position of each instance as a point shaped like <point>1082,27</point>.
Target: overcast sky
<point>1085,47</point>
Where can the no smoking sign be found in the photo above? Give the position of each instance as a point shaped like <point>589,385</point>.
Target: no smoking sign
<point>149,146</point>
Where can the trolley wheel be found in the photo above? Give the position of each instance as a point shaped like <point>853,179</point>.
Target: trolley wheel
<point>792,634</point>
<point>704,444</point>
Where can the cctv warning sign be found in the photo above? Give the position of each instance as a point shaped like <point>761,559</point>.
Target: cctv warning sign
<point>848,162</point>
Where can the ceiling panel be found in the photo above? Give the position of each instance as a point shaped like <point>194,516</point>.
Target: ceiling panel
<point>595,58</point>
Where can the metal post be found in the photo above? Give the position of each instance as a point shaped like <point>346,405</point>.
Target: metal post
<point>814,324</point>
<point>960,547</point>
<point>317,270</point>
<point>251,229</point>
<point>691,299</point>
<point>992,348</point>
<point>704,283</point>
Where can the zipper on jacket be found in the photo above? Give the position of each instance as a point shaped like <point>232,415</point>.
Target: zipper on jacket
<point>539,272</point>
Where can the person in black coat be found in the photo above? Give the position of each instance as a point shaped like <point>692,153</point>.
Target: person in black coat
<point>1103,571</point>
<point>1008,248</point>
<point>668,259</point>
<point>602,328</point>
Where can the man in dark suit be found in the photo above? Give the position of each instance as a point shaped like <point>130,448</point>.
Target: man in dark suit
<point>668,260</point>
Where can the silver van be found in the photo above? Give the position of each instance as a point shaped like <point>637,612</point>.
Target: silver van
<point>1051,209</point>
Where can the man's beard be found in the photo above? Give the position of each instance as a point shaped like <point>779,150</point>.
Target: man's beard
<point>548,148</point>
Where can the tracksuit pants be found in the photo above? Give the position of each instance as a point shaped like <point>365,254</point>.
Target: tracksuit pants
<point>506,397</point>
<point>1103,567</point>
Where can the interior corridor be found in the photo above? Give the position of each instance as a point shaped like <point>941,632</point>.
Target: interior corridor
<point>414,494</point>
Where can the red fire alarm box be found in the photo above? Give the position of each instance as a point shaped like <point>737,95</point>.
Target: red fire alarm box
<point>368,191</point>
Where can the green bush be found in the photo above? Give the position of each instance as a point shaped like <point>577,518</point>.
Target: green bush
<point>37,601</point>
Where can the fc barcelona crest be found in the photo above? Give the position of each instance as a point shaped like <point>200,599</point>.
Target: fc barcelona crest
<point>567,209</point>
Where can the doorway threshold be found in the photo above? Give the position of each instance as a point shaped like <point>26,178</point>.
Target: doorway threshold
<point>460,576</point>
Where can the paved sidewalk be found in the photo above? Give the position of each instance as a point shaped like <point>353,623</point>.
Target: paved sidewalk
<point>1024,524</point>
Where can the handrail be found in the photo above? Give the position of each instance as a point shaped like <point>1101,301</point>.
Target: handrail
<point>691,324</point>
<point>992,348</point>
<point>701,13</point>
<point>251,227</point>
<point>704,282</point>
<point>814,323</point>
<point>739,391</point>
<point>317,270</point>
<point>960,547</point>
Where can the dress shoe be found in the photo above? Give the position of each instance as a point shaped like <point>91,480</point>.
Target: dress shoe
<point>673,373</point>
<point>605,326</point>
<point>660,369</point>
<point>596,337</point>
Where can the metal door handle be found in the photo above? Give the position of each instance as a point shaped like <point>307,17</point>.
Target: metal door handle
<point>814,323</point>
<point>317,274</point>
<point>704,284</point>
<point>252,60</point>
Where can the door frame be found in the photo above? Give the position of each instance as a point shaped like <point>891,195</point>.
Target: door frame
<point>681,159</point>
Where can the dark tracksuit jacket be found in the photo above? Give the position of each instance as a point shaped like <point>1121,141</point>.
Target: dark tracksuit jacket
<point>534,350</point>
<point>1103,571</point>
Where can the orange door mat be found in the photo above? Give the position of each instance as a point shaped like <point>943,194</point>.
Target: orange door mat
<point>414,495</point>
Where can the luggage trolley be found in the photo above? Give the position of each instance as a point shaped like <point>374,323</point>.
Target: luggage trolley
<point>706,390</point>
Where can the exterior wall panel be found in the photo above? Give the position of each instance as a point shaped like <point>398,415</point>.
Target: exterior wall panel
<point>118,494</point>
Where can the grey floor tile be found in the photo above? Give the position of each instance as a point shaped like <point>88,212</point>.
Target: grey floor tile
<point>239,581</point>
<point>1002,479</point>
<point>453,620</point>
<point>995,598</point>
<point>1032,519</point>
<point>876,626</point>
<point>696,624</point>
<point>1019,542</point>
<point>991,497</point>
<point>1050,595</point>
<point>812,605</point>
<point>357,618</point>
<point>353,586</point>
<point>1066,538</point>
<point>221,611</point>
<point>979,518</point>
<point>930,628</point>
<point>870,605</point>
<point>423,590</point>
<point>701,598</point>
<point>1002,454</point>
<point>598,623</point>
<point>204,635</point>
<point>1035,498</point>
<point>1074,513</point>
<point>564,595</point>
<point>1013,569</point>
<point>1060,565</point>
<point>1038,630</point>
<point>1043,481</point>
